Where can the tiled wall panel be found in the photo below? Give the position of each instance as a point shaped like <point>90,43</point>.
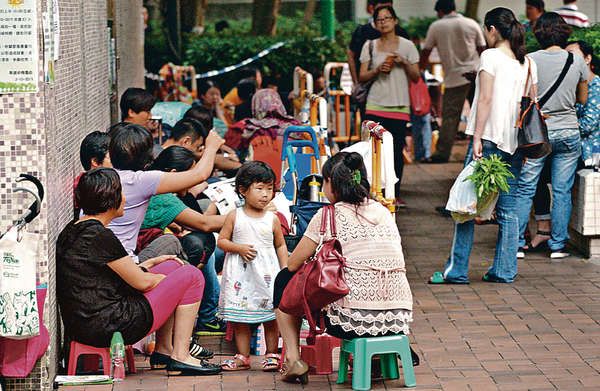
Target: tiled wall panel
<point>40,134</point>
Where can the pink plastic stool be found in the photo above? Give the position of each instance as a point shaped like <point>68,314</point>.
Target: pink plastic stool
<point>318,353</point>
<point>77,349</point>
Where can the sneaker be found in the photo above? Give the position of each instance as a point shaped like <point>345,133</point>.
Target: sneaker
<point>521,253</point>
<point>559,254</point>
<point>216,327</point>
<point>200,352</point>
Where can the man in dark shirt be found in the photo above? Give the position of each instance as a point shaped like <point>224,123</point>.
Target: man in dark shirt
<point>366,32</point>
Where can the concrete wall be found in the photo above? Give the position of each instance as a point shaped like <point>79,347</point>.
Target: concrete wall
<point>129,29</point>
<point>40,134</point>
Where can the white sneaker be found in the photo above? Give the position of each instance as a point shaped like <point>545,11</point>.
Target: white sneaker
<point>520,254</point>
<point>559,254</point>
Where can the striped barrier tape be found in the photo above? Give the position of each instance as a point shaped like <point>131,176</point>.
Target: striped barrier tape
<point>153,76</point>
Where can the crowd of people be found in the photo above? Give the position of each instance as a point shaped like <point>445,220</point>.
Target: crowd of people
<point>144,250</point>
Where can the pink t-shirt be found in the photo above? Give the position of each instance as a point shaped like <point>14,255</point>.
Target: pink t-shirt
<point>138,187</point>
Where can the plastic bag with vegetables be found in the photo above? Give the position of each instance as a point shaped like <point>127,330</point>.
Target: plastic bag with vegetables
<point>482,180</point>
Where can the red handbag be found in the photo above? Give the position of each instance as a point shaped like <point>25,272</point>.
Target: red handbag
<point>320,280</point>
<point>420,101</point>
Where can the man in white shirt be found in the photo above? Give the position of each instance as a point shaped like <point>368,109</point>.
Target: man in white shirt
<point>571,14</point>
<point>459,41</point>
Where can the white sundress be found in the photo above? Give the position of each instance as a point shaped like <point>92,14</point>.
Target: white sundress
<point>247,287</point>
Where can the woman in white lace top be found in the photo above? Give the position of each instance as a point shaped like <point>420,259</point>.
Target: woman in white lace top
<point>380,300</point>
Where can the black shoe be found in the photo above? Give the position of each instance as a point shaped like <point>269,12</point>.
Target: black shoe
<point>437,159</point>
<point>200,352</point>
<point>443,211</point>
<point>159,360</point>
<point>415,358</point>
<point>176,368</point>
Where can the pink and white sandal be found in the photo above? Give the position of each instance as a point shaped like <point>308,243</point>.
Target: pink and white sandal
<point>234,364</point>
<point>271,363</point>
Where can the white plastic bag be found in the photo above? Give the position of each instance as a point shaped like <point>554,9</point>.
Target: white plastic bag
<point>19,316</point>
<point>462,201</point>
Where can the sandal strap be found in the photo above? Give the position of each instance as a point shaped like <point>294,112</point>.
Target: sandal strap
<point>545,233</point>
<point>231,363</point>
<point>273,355</point>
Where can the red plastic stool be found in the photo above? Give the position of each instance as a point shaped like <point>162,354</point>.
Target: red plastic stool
<point>77,349</point>
<point>318,353</point>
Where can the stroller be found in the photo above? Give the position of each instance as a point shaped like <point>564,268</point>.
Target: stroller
<point>300,172</point>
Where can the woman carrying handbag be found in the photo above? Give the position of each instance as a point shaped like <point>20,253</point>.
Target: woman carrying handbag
<point>379,300</point>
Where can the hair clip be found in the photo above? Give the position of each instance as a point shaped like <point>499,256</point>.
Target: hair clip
<point>356,177</point>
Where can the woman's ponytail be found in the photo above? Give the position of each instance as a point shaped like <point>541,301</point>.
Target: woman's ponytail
<point>510,28</point>
<point>517,40</point>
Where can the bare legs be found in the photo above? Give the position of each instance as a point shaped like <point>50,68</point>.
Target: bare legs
<point>289,327</point>
<point>173,338</point>
<point>271,336</point>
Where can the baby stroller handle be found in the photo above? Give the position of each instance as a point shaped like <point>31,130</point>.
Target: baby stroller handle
<point>34,209</point>
<point>314,143</point>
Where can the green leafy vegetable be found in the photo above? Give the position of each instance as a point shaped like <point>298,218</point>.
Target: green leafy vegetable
<point>490,177</point>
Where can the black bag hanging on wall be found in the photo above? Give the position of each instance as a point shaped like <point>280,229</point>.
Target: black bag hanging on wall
<point>533,131</point>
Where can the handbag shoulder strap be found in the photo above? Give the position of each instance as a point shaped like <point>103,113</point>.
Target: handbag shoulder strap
<point>558,81</point>
<point>526,89</point>
<point>370,55</point>
<point>328,210</point>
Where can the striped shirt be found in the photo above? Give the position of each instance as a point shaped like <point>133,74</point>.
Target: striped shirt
<point>571,14</point>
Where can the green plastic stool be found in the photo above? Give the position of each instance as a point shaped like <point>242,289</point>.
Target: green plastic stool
<point>363,349</point>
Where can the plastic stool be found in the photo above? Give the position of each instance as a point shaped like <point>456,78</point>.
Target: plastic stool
<point>77,349</point>
<point>317,353</point>
<point>363,349</point>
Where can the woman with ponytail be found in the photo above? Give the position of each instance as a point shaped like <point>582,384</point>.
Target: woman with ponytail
<point>500,83</point>
<point>380,300</point>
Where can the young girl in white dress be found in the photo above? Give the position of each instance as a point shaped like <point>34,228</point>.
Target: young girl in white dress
<point>256,251</point>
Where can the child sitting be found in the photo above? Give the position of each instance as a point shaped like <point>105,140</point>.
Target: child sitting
<point>256,251</point>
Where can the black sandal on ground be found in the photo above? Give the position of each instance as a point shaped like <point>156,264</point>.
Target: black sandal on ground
<point>542,246</point>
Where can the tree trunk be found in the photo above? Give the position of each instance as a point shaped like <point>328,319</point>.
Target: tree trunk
<point>192,15</point>
<point>264,17</point>
<point>309,11</point>
<point>472,8</point>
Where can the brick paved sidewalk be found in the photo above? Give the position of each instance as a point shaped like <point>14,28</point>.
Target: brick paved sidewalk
<point>540,333</point>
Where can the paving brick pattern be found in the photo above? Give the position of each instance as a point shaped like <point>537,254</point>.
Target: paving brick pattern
<point>540,333</point>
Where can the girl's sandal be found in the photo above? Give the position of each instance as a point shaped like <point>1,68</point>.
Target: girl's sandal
<point>271,363</point>
<point>238,363</point>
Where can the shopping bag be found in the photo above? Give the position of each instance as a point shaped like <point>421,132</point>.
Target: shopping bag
<point>19,316</point>
<point>462,201</point>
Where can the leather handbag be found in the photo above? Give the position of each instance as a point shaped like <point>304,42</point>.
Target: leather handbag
<point>320,280</point>
<point>360,91</point>
<point>532,130</point>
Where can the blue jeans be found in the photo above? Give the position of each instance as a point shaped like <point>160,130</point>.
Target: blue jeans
<point>563,165</point>
<point>421,130</point>
<point>504,268</point>
<point>212,290</point>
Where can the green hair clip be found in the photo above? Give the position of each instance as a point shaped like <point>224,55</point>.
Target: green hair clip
<point>356,177</point>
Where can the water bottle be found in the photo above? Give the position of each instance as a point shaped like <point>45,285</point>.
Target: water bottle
<point>315,189</point>
<point>117,355</point>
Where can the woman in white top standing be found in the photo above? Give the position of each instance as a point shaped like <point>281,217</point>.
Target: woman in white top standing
<point>392,62</point>
<point>499,86</point>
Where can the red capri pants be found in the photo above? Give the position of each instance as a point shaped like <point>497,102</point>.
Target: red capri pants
<point>183,284</point>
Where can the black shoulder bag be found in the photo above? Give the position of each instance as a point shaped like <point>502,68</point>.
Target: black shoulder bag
<point>361,90</point>
<point>533,131</point>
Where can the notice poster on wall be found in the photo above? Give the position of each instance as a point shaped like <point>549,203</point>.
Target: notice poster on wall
<point>18,46</point>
